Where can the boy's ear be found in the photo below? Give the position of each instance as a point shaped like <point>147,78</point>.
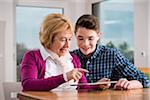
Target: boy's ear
<point>99,34</point>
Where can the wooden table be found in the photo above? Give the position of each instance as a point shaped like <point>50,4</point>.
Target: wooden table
<point>137,94</point>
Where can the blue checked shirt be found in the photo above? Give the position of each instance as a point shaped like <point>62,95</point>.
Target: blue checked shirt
<point>109,63</point>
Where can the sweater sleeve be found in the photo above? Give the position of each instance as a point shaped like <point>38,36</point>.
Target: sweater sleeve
<point>30,75</point>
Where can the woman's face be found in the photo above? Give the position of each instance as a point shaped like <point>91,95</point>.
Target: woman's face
<point>87,40</point>
<point>61,43</point>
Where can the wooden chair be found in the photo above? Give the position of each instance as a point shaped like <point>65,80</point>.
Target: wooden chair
<point>1,91</point>
<point>146,71</point>
<point>11,89</point>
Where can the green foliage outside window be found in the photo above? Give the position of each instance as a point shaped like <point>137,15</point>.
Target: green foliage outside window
<point>124,48</point>
<point>21,49</point>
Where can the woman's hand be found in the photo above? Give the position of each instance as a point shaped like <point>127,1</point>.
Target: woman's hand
<point>76,74</point>
<point>123,83</point>
<point>104,86</point>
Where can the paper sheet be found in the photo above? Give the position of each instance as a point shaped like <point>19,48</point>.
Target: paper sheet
<point>97,83</point>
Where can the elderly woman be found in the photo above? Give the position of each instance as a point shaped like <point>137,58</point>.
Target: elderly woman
<point>51,66</point>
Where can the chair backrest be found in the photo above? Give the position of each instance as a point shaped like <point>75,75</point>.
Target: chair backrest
<point>1,91</point>
<point>146,71</point>
<point>11,89</point>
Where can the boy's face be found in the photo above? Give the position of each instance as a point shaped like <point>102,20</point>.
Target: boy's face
<point>87,40</point>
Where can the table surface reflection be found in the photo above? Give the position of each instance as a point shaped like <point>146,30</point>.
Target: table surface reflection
<point>110,94</point>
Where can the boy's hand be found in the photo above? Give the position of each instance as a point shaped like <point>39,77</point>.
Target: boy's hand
<point>123,83</point>
<point>104,86</point>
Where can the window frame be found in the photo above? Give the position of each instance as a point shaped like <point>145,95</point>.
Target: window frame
<point>142,10</point>
<point>39,4</point>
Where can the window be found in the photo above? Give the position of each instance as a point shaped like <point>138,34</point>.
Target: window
<point>116,24</point>
<point>28,20</point>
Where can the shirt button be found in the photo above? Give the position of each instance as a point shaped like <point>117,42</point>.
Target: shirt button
<point>88,62</point>
<point>87,74</point>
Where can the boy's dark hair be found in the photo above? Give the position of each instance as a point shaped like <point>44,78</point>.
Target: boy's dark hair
<point>87,21</point>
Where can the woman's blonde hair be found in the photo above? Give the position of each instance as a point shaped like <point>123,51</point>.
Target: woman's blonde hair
<point>53,24</point>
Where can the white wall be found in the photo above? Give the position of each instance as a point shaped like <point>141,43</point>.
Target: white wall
<point>7,16</point>
<point>141,33</point>
<point>2,51</point>
<point>148,33</point>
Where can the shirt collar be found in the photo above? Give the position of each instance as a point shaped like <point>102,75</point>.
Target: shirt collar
<point>48,53</point>
<point>44,53</point>
<point>96,52</point>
